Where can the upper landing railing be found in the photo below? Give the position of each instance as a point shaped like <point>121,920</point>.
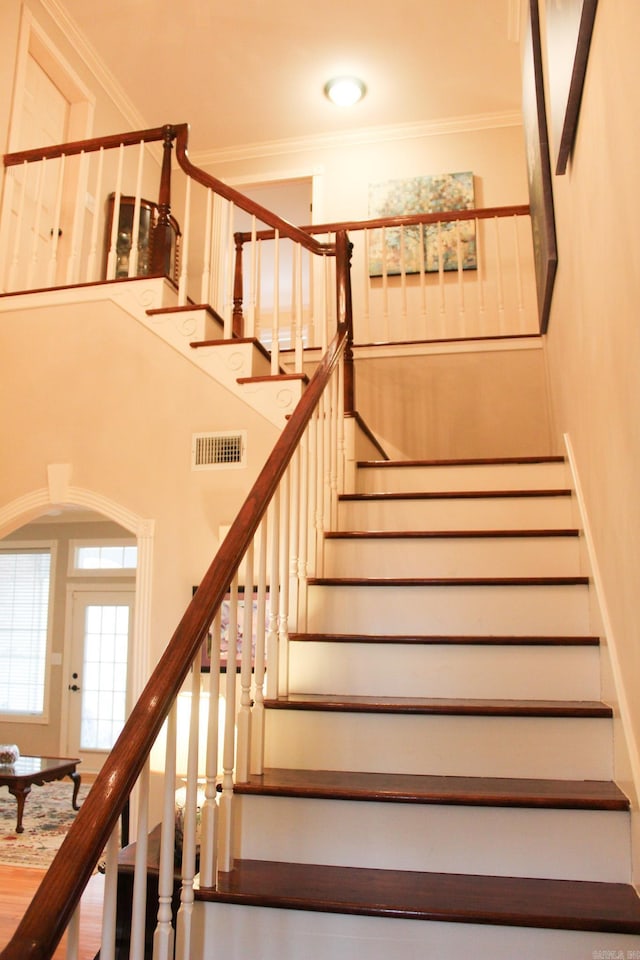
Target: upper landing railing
<point>92,211</point>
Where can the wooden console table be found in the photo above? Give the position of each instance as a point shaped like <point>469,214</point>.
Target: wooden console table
<point>19,777</point>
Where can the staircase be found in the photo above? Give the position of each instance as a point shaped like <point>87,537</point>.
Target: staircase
<point>438,780</point>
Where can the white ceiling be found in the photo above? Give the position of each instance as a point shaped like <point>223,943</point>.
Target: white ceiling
<point>248,71</point>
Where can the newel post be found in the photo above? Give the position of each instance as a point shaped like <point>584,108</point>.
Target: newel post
<point>238,319</point>
<point>162,233</point>
<point>344,248</point>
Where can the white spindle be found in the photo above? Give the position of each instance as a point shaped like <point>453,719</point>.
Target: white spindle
<point>257,316</point>
<point>303,532</point>
<point>228,753</point>
<point>216,286</point>
<point>15,260</point>
<point>113,240</point>
<point>297,285</point>
<point>77,229</point>
<point>385,284</point>
<point>185,913</point>
<point>516,239</point>
<point>163,937</point>
<point>320,488</point>
<point>206,259</point>
<point>135,226</point>
<point>257,716</point>
<point>460,264</point>
<point>250,308</point>
<point>33,257</point>
<point>294,539</point>
<point>403,284</point>
<point>423,275</point>
<point>365,335</point>
<point>480,268</point>
<point>274,597</point>
<point>283,576</point>
<point>139,897</point>
<point>52,266</point>
<point>73,936</point>
<point>499,276</point>
<point>312,325</point>
<point>244,712</point>
<point>441,289</point>
<point>312,496</point>
<point>92,261</point>
<point>275,320</point>
<point>107,945</point>
<point>229,262</point>
<point>209,822</point>
<point>184,247</point>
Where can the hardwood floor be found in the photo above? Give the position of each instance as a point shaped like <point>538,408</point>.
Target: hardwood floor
<point>17,886</point>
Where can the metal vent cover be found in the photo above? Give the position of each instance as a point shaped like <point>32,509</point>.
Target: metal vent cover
<point>215,451</point>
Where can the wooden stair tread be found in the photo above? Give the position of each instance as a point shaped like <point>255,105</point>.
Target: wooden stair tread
<point>441,706</point>
<point>469,462</point>
<point>457,494</point>
<point>571,641</point>
<point>449,581</point>
<point>510,901</point>
<point>415,788</point>
<point>448,534</point>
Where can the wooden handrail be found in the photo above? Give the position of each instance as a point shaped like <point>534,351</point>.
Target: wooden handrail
<point>75,147</point>
<point>55,900</point>
<point>408,220</point>
<point>284,228</point>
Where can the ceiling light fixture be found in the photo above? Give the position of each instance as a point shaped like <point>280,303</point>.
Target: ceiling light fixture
<point>345,91</point>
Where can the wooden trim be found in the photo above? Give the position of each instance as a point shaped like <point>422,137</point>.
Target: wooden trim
<point>537,641</point>
<point>456,495</point>
<point>445,534</point>
<point>442,706</point>
<point>75,147</point>
<point>448,581</point>
<point>471,462</point>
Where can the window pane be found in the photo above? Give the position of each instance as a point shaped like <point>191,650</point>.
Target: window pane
<point>117,556</point>
<point>104,675</point>
<point>24,612</point>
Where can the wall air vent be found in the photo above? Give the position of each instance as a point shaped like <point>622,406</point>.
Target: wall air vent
<point>214,451</point>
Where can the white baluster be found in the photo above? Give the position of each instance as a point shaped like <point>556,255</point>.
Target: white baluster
<point>385,284</point>
<point>365,334</point>
<point>108,940</point>
<point>184,247</point>
<point>275,320</point>
<point>299,341</point>
<point>92,261</point>
<point>250,309</point>
<point>303,532</point>
<point>257,715</point>
<point>423,276</point>
<point>33,258</point>
<point>520,296</point>
<point>135,226</point>
<point>209,824</point>
<point>226,798</point>
<point>443,323</point>
<point>244,712</point>
<point>460,265</point>
<point>139,897</point>
<point>274,596</point>
<point>480,268</point>
<point>206,260</point>
<point>499,276</point>
<point>185,912</point>
<point>55,229</point>
<point>77,229</point>
<point>15,259</point>
<point>113,240</point>
<point>163,937</point>
<point>403,287</point>
<point>228,300</point>
<point>283,576</point>
<point>312,496</point>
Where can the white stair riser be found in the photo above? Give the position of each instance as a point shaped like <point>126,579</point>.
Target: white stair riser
<point>466,610</point>
<point>263,933</point>
<point>496,841</point>
<point>547,747</point>
<point>489,476</point>
<point>492,513</point>
<point>457,557</point>
<point>460,670</point>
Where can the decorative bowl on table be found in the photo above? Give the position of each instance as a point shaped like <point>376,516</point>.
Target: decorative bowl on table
<point>9,753</point>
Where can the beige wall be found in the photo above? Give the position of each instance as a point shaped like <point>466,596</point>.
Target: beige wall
<point>594,334</point>
<point>90,387</point>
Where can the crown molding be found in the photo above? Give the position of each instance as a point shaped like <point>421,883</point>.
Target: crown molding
<point>94,63</point>
<point>358,137</point>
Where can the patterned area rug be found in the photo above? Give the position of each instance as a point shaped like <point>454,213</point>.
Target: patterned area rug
<point>48,814</point>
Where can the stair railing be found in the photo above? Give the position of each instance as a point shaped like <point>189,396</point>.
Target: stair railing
<point>273,546</point>
<point>460,274</point>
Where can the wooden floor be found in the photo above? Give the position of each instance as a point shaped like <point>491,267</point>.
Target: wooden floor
<point>17,886</point>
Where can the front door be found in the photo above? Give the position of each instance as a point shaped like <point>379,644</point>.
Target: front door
<point>97,675</point>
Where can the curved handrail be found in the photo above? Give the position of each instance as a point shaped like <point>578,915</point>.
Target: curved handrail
<point>55,900</point>
<point>284,228</point>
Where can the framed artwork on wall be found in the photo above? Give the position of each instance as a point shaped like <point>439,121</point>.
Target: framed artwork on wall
<point>420,247</point>
<point>538,167</point>
<point>569,25</point>
<point>225,617</point>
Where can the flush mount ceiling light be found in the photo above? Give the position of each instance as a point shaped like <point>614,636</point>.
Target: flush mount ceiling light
<point>345,91</point>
